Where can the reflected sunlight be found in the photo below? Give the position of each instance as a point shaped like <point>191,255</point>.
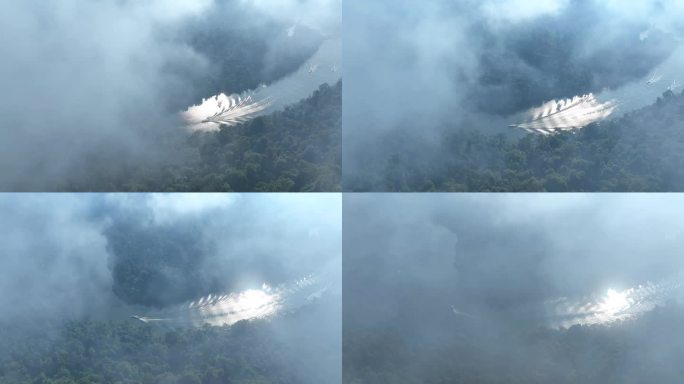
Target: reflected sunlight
<point>614,302</point>
<point>265,302</point>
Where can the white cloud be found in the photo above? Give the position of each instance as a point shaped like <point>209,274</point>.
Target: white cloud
<point>519,10</point>
<point>174,10</point>
<point>665,15</point>
<point>167,207</point>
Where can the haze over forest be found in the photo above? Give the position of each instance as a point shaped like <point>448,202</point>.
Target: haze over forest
<point>526,288</point>
<point>93,94</point>
<point>433,88</point>
<point>255,277</point>
<point>95,288</point>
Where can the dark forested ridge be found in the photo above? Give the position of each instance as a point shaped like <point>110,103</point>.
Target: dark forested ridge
<point>640,151</point>
<point>529,63</point>
<point>242,55</point>
<point>635,351</point>
<point>157,266</point>
<point>297,149</point>
<point>118,352</point>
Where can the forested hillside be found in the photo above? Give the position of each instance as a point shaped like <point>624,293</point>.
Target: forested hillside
<point>640,151</point>
<point>240,53</point>
<point>632,352</point>
<point>130,352</point>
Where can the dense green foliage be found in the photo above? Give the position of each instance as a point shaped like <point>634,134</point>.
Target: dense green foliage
<point>127,352</point>
<point>640,151</point>
<point>157,265</point>
<point>646,350</point>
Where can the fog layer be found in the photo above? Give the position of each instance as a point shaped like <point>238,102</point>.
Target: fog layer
<point>458,288</point>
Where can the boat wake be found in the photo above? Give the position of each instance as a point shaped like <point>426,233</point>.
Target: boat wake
<point>225,110</point>
<point>222,110</point>
<point>567,115</point>
<point>251,304</point>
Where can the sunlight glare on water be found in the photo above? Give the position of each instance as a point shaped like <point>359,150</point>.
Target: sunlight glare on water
<point>250,304</point>
<point>614,302</point>
<point>324,67</point>
<point>613,306</point>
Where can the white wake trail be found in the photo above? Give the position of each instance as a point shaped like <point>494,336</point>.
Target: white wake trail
<point>225,110</point>
<point>251,304</point>
<point>222,110</point>
<point>566,115</point>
